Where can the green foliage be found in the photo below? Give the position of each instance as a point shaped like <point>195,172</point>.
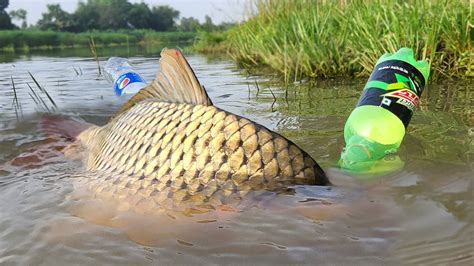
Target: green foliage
<point>189,24</point>
<point>113,14</point>
<point>211,42</point>
<point>87,16</point>
<point>162,18</point>
<point>109,15</point>
<point>118,15</point>
<point>347,37</point>
<point>160,37</point>
<point>208,25</point>
<point>192,24</point>
<point>4,4</point>
<point>139,16</point>
<point>19,14</point>
<point>56,19</point>
<point>22,39</point>
<point>100,15</point>
<point>5,21</point>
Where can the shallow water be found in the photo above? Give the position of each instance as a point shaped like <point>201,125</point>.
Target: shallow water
<point>422,213</point>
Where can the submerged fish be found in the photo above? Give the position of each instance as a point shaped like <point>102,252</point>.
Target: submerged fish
<point>169,141</point>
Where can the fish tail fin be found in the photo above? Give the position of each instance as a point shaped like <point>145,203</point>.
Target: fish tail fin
<point>61,126</point>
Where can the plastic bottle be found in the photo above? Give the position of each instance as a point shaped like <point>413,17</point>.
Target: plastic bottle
<point>124,78</point>
<point>376,126</point>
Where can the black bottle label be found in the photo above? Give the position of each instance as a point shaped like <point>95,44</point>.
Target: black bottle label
<point>396,86</point>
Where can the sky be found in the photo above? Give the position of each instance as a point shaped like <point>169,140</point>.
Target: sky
<point>218,10</point>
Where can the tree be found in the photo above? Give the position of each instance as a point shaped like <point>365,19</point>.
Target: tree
<point>5,20</point>
<point>102,14</point>
<point>4,4</point>
<point>226,25</point>
<point>208,25</point>
<point>139,16</point>
<point>114,14</point>
<point>163,18</point>
<point>56,19</point>
<point>19,14</point>
<point>189,24</point>
<point>87,16</point>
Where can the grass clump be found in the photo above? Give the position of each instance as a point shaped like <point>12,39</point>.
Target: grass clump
<point>315,38</point>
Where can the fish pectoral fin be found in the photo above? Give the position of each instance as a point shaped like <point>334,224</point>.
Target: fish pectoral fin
<point>175,82</point>
<point>62,126</point>
<point>74,151</point>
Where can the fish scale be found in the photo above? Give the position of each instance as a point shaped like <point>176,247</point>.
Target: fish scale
<point>256,157</point>
<point>170,145</point>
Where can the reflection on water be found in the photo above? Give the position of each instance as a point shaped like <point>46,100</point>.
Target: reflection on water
<point>85,52</point>
<point>420,214</point>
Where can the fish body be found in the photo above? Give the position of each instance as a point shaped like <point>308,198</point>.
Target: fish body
<point>176,144</point>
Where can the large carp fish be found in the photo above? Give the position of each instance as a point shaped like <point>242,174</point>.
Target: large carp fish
<point>169,143</point>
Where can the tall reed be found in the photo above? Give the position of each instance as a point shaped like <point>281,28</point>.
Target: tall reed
<point>324,38</point>
<point>93,48</point>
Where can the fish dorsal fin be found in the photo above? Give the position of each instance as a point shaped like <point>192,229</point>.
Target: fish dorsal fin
<point>175,82</point>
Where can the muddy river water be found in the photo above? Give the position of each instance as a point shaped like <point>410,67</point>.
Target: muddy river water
<point>422,213</point>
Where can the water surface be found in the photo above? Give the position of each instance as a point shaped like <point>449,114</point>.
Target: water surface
<point>422,213</point>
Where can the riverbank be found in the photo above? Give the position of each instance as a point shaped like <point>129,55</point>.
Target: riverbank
<point>12,40</point>
<point>347,38</point>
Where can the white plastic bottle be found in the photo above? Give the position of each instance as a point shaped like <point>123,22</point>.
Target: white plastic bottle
<point>125,79</point>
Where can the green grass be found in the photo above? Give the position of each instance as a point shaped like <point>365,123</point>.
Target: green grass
<point>160,37</point>
<point>34,39</point>
<point>211,42</point>
<point>311,38</point>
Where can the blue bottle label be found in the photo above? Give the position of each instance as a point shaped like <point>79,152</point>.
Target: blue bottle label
<point>125,80</point>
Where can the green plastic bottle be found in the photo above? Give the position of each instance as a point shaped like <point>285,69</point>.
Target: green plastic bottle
<point>376,126</point>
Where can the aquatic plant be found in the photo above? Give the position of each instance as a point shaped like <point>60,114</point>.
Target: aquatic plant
<point>16,104</point>
<point>36,97</point>
<point>42,89</point>
<point>315,38</point>
<point>93,48</point>
<point>38,100</point>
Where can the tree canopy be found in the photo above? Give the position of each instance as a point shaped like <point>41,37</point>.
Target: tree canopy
<point>5,20</point>
<point>4,4</point>
<point>189,24</point>
<point>19,14</point>
<point>56,19</point>
<point>109,15</point>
